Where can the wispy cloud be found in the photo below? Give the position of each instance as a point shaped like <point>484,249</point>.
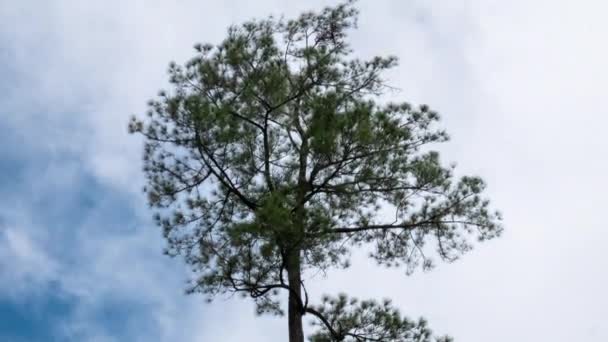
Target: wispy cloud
<point>520,86</point>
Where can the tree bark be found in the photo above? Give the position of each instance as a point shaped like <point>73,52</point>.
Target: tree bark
<point>294,312</point>
<point>294,265</point>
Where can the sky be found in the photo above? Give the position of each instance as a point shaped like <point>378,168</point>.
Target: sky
<point>519,85</point>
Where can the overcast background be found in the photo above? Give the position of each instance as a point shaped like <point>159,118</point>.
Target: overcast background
<point>521,86</point>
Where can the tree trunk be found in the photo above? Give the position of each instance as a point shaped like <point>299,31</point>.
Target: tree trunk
<point>296,331</point>
<point>294,266</point>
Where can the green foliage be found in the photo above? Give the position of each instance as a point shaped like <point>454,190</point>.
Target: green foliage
<point>349,320</point>
<point>271,155</point>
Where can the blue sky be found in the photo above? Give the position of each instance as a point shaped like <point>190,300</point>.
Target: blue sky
<point>49,224</point>
<point>520,86</point>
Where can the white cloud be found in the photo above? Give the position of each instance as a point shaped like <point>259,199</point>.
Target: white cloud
<point>24,265</point>
<point>520,86</point>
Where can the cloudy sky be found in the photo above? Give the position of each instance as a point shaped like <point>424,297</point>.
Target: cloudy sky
<point>521,87</point>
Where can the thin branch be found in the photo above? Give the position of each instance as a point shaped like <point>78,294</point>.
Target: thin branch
<point>395,226</point>
<point>223,178</point>
<point>323,319</point>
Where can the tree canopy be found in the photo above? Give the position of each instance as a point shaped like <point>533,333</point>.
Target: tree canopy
<point>273,155</point>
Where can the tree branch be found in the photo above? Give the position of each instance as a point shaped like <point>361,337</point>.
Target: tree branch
<point>347,230</point>
<point>323,319</point>
<point>221,175</point>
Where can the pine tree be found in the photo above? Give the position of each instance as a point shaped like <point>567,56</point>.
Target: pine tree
<point>271,157</point>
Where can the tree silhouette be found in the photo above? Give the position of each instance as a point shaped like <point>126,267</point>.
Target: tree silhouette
<point>271,157</point>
